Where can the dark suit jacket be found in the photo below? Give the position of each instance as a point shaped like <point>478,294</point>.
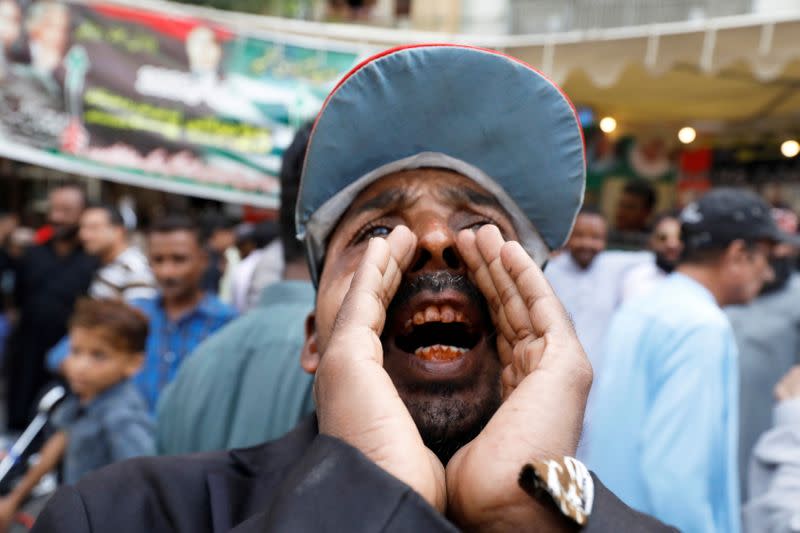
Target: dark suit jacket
<point>302,482</point>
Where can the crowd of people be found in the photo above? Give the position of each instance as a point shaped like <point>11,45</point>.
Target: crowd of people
<point>453,340</point>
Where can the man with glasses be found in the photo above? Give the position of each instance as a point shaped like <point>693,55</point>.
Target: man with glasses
<point>665,243</point>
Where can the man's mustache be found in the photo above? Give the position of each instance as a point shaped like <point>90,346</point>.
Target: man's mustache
<point>169,283</point>
<point>65,232</point>
<point>437,282</point>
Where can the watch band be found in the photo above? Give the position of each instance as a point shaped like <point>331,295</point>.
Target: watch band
<point>566,483</point>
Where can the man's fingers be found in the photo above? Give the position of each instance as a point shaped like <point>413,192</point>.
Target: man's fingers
<point>545,311</point>
<point>505,350</point>
<point>479,268</point>
<point>468,249</point>
<point>490,244</point>
<point>376,281</point>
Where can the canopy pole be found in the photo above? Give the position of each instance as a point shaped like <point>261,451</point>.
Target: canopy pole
<point>707,56</point>
<point>765,43</point>
<point>651,54</point>
<point>548,57</point>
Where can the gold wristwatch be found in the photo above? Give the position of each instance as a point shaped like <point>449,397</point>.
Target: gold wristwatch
<point>566,483</point>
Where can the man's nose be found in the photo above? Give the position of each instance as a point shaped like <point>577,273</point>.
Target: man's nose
<point>78,363</point>
<point>165,270</point>
<point>436,246</point>
<point>769,274</point>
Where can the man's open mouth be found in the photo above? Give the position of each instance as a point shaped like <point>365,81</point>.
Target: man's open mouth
<point>438,328</point>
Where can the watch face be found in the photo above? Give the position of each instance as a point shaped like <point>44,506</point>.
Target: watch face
<point>566,483</point>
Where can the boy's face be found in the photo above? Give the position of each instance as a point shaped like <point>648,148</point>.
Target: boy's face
<point>95,365</point>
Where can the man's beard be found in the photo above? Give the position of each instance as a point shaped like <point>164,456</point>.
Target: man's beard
<point>447,422</point>
<point>449,415</point>
<point>664,264</point>
<point>783,267</point>
<point>65,232</point>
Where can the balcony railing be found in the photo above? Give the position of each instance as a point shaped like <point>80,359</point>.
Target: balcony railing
<point>546,16</point>
<point>504,17</point>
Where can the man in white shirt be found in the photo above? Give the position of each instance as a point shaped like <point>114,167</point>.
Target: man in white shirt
<point>588,280</point>
<point>252,242</point>
<point>665,243</point>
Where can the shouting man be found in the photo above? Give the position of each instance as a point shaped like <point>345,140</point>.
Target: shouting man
<point>450,386</point>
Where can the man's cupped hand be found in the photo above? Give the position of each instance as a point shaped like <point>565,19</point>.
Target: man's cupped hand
<point>356,399</point>
<point>546,379</point>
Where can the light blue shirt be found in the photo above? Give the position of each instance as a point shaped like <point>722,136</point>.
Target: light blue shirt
<point>662,430</point>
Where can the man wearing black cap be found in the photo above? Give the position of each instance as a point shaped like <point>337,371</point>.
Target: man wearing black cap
<point>670,380</point>
<point>450,385</point>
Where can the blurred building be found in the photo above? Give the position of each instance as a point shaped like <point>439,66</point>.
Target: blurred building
<point>695,93</point>
<point>685,94</point>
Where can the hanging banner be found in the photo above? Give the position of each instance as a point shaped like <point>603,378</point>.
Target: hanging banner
<point>154,100</point>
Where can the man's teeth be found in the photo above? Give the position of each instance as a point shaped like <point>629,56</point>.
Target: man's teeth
<point>439,352</point>
<point>435,313</point>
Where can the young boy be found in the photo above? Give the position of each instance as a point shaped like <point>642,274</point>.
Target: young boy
<point>105,419</point>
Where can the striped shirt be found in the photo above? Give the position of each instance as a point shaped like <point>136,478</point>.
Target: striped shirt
<point>171,342</point>
<point>127,277</point>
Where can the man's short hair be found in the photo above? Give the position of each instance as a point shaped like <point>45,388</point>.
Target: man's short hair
<point>173,223</point>
<point>264,233</point>
<point>591,210</point>
<point>124,327</point>
<point>642,190</point>
<point>665,215</point>
<point>291,170</point>
<point>75,186</point>
<point>211,222</point>
<point>114,215</point>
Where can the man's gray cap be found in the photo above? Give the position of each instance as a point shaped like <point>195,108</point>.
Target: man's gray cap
<point>477,112</point>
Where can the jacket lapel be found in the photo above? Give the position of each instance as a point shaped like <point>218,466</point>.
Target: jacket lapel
<point>228,494</point>
<point>246,485</point>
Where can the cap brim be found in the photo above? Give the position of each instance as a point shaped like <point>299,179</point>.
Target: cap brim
<point>786,238</point>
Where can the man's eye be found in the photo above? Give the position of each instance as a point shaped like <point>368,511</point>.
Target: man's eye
<point>478,225</point>
<point>374,231</point>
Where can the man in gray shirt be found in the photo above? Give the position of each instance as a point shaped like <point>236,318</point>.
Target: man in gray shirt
<point>774,504</point>
<point>768,336</point>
